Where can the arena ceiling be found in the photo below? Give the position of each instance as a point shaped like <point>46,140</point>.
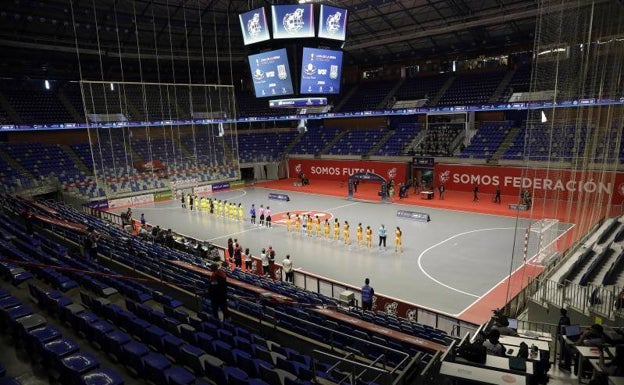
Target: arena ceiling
<point>379,31</point>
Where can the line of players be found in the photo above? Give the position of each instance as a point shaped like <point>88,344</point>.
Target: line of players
<point>311,226</point>
<point>306,225</point>
<point>223,208</point>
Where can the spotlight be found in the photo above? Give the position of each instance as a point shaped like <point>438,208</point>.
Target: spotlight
<point>46,84</point>
<point>544,118</point>
<point>112,87</point>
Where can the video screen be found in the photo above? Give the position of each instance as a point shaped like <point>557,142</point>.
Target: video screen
<point>270,73</point>
<point>321,71</point>
<point>293,21</point>
<point>332,23</point>
<point>254,26</point>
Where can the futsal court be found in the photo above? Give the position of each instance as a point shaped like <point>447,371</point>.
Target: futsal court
<point>451,264</point>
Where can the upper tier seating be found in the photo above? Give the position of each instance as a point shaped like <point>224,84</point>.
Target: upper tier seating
<point>33,103</point>
<point>487,140</point>
<point>315,140</point>
<point>421,87</point>
<point>45,160</point>
<point>472,88</point>
<point>543,142</point>
<point>520,82</point>
<point>263,146</point>
<point>357,142</point>
<point>368,95</point>
<point>437,140</point>
<point>403,135</point>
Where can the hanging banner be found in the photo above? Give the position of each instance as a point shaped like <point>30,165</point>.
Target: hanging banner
<point>331,169</point>
<point>550,183</point>
<point>148,166</point>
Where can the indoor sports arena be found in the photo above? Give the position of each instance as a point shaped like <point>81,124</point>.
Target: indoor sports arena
<point>338,192</point>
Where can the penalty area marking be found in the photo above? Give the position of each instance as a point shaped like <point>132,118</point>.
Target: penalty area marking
<point>420,257</point>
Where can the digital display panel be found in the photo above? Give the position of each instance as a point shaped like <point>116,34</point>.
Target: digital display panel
<point>254,26</point>
<point>321,71</point>
<point>332,23</point>
<point>293,21</point>
<point>270,73</point>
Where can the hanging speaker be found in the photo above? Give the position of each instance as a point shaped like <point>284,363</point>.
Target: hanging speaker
<point>302,126</point>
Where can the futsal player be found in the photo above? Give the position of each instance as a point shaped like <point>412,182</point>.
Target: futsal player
<point>336,230</point>
<point>369,237</point>
<point>288,222</point>
<point>326,228</point>
<point>317,226</point>
<point>346,233</point>
<point>359,234</point>
<point>398,244</point>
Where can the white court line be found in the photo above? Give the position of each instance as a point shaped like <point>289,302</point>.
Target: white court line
<point>341,206</point>
<point>444,241</point>
<point>506,278</point>
<point>236,233</point>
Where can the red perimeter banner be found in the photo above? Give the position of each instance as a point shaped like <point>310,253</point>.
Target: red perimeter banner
<point>330,169</point>
<point>552,183</point>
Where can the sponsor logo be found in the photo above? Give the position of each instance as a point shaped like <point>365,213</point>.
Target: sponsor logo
<point>621,189</point>
<point>445,176</point>
<point>413,215</point>
<point>220,186</point>
<point>531,183</point>
<point>333,23</point>
<point>279,197</point>
<point>391,308</point>
<point>293,22</point>
<point>392,173</point>
<point>254,28</point>
<point>298,168</point>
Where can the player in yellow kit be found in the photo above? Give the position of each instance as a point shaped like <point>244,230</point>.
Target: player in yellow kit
<point>359,234</point>
<point>317,225</point>
<point>326,228</point>
<point>336,230</point>
<point>398,244</point>
<point>309,225</point>
<point>369,237</point>
<point>297,223</point>
<point>346,233</point>
<point>288,222</point>
<point>240,212</point>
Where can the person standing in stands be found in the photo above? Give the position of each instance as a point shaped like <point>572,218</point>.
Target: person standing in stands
<point>382,236</point>
<point>218,292</point>
<point>475,193</point>
<point>230,249</point>
<point>564,321</point>
<point>493,346</point>
<point>264,260</point>
<point>248,260</point>
<point>143,222</point>
<point>367,295</point>
<point>238,255</point>
<point>287,267</point>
